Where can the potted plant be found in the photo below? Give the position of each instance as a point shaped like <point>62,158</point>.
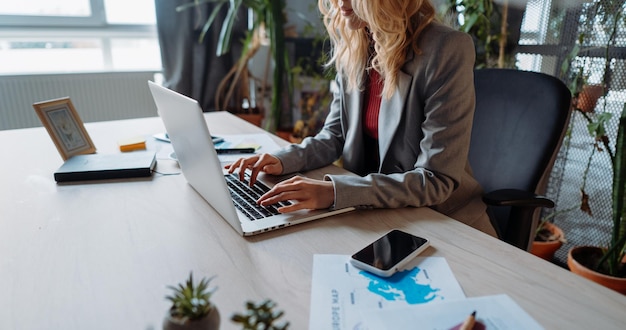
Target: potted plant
<point>548,236</point>
<point>599,20</point>
<point>268,20</point>
<point>192,307</point>
<point>585,94</point>
<point>548,239</point>
<point>588,97</point>
<point>260,317</point>
<point>606,265</point>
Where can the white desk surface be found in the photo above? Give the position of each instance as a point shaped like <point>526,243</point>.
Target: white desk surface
<point>99,255</point>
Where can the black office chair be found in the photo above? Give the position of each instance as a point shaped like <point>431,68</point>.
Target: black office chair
<point>519,124</point>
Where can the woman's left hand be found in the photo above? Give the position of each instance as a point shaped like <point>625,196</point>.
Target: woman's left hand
<point>304,192</point>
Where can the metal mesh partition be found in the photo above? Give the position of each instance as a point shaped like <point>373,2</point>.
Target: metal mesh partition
<point>549,32</point>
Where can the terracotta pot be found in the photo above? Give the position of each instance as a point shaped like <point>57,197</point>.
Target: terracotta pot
<point>546,250</point>
<point>288,135</point>
<point>209,322</point>
<point>588,97</point>
<point>253,118</point>
<point>576,262</point>
<point>285,135</point>
<point>295,139</point>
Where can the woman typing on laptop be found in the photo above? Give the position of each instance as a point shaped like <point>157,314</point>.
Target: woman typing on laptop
<point>401,118</point>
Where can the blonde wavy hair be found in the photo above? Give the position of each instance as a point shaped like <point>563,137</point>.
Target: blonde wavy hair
<point>393,25</point>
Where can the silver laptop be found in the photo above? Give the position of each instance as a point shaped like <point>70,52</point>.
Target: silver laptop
<point>232,199</point>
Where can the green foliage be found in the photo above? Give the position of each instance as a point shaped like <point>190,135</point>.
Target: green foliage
<point>597,127</point>
<point>260,317</point>
<point>189,301</point>
<point>576,82</point>
<point>597,30</point>
<point>481,19</point>
<point>312,70</point>
<point>599,21</point>
<point>611,263</point>
<point>267,13</point>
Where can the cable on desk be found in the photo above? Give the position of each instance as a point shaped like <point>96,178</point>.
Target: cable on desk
<point>166,174</point>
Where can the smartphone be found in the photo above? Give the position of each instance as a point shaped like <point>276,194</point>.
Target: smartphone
<point>390,253</point>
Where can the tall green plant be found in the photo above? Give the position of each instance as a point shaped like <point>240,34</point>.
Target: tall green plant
<point>611,262</point>
<point>267,13</point>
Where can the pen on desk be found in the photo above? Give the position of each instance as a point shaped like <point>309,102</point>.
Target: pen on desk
<point>223,151</point>
<point>468,324</point>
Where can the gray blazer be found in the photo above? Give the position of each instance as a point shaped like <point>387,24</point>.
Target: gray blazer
<point>424,132</point>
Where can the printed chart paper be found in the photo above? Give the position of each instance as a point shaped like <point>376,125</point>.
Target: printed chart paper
<point>497,312</point>
<point>340,291</point>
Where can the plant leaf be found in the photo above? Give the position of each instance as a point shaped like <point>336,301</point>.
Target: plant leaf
<point>223,45</point>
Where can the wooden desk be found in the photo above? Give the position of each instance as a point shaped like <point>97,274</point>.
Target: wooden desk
<point>99,255</point>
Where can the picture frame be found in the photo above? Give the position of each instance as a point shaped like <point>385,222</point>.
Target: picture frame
<point>65,127</point>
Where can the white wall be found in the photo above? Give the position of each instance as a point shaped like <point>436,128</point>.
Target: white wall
<point>96,96</point>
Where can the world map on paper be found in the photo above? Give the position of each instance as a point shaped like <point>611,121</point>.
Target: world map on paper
<point>341,293</point>
<point>402,286</point>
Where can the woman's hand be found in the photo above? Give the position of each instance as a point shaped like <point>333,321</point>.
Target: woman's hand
<point>304,192</point>
<point>257,163</point>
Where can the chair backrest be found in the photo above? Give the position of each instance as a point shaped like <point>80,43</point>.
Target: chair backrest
<point>519,124</point>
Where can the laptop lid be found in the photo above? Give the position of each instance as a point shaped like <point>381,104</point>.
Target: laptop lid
<point>196,155</point>
<point>201,167</point>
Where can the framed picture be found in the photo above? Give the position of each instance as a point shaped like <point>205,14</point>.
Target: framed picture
<point>65,127</point>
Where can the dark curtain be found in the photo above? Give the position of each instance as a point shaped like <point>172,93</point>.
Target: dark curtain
<point>191,67</point>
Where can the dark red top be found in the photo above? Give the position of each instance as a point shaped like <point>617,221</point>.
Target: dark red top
<point>371,110</point>
<point>373,99</point>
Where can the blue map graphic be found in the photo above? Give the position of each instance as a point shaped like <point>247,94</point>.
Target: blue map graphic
<point>403,285</point>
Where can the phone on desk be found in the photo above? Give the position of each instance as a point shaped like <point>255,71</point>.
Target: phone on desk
<point>390,253</point>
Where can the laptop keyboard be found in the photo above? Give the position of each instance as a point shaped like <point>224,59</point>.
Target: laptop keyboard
<point>245,197</point>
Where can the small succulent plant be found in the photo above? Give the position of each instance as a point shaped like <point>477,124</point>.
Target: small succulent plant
<point>260,317</point>
<point>189,301</point>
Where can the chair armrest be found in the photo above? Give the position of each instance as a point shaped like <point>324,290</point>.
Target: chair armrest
<point>517,198</point>
<point>519,229</point>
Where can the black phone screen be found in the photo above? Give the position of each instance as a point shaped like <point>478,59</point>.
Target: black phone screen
<point>389,250</point>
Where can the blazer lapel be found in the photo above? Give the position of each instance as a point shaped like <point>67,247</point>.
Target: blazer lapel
<point>353,105</point>
<point>390,114</point>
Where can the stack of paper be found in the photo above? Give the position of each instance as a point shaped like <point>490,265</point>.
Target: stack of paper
<point>425,295</point>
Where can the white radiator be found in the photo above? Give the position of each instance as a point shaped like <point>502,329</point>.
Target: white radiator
<point>96,96</point>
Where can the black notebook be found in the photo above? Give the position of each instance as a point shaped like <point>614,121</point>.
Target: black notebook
<point>110,166</point>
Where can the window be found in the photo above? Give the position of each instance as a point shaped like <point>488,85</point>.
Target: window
<point>549,32</point>
<point>50,36</point>
<point>75,8</point>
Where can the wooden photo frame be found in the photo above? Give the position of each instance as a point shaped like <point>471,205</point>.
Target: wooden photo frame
<point>65,127</point>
